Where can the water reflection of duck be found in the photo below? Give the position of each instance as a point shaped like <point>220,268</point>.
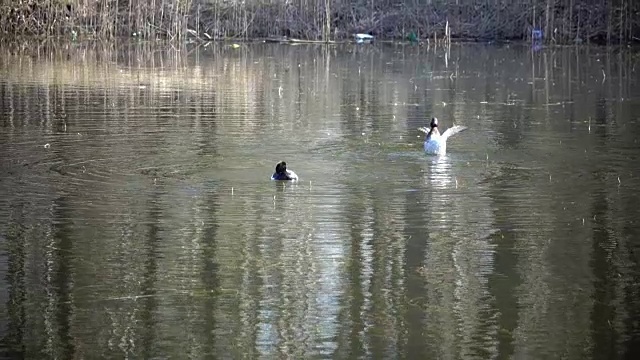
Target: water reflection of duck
<point>434,143</point>
<point>282,173</point>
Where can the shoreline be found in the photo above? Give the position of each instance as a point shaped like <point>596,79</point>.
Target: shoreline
<point>299,41</point>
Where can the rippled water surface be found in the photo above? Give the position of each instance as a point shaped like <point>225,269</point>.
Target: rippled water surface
<point>137,218</point>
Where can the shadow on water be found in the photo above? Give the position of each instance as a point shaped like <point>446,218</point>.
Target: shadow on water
<point>137,218</point>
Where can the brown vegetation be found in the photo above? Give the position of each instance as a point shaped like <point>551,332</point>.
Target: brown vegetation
<point>562,21</point>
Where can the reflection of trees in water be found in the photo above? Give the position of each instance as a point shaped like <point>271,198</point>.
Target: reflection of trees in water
<point>552,254</point>
<point>371,311</point>
<point>458,260</point>
<point>59,287</point>
<point>612,254</point>
<point>280,269</point>
<point>40,278</point>
<point>627,261</point>
<point>605,283</point>
<point>212,283</point>
<point>13,339</point>
<point>149,288</point>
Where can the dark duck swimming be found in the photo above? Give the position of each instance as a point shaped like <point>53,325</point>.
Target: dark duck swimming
<point>283,174</point>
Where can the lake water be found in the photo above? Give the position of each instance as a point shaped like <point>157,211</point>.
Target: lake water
<point>138,220</point>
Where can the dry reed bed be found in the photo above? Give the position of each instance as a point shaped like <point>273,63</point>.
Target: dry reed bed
<point>562,21</point>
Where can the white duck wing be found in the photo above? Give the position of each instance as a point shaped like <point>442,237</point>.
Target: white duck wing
<point>453,130</point>
<point>424,129</point>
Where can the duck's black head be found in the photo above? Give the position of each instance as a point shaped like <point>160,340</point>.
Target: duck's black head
<point>434,122</point>
<point>281,167</point>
